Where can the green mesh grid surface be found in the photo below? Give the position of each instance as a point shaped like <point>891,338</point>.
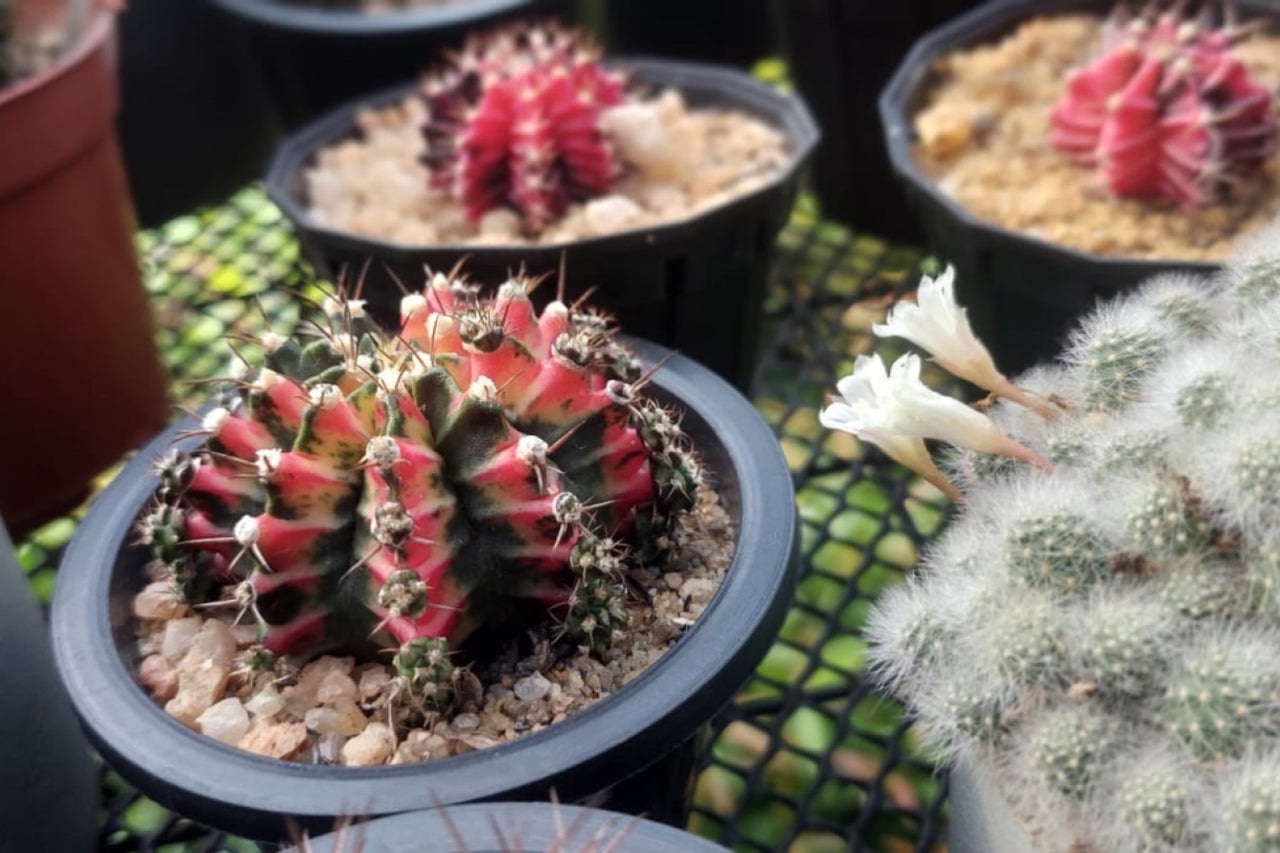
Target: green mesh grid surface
<point>807,759</point>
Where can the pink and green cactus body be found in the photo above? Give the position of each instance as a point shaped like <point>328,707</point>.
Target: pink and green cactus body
<point>484,465</point>
<point>1167,110</point>
<point>513,121</point>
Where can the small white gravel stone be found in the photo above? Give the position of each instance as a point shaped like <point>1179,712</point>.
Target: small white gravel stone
<point>465,722</point>
<point>159,600</point>
<point>203,672</point>
<point>500,222</point>
<point>673,579</point>
<point>611,213</point>
<point>178,637</point>
<point>641,136</point>
<point>342,718</point>
<point>372,746</point>
<point>699,590</point>
<point>531,688</point>
<point>227,721</point>
<point>267,702</point>
<point>335,687</point>
<point>159,676</point>
<point>373,680</point>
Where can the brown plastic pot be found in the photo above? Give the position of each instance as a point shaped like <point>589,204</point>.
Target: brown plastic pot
<point>81,383</point>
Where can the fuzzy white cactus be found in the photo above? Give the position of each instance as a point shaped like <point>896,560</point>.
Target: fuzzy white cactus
<point>1105,636</point>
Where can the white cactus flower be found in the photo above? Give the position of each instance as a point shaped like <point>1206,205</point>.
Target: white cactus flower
<point>895,411</point>
<point>937,324</point>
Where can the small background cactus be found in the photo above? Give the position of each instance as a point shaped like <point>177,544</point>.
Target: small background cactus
<point>1105,636</point>
<point>513,120</point>
<point>1167,110</point>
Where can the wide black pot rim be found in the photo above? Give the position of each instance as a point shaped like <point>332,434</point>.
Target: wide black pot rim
<point>897,102</point>
<point>741,89</point>
<point>533,823</point>
<point>353,23</point>
<point>638,723</point>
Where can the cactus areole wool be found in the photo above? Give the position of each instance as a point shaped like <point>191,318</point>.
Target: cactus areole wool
<point>393,593</point>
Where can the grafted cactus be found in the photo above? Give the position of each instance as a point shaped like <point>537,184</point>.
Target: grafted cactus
<point>486,464</point>
<point>513,120</point>
<point>1166,110</point>
<point>1105,634</point>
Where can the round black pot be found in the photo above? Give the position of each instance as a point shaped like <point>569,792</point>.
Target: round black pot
<point>1022,292</point>
<point>50,789</point>
<point>613,740</point>
<point>512,827</point>
<point>840,54</point>
<point>313,58</point>
<point>696,285</point>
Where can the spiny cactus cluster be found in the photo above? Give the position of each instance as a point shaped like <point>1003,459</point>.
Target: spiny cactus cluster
<point>485,465</point>
<point>513,120</point>
<point>1105,636</point>
<point>1166,110</point>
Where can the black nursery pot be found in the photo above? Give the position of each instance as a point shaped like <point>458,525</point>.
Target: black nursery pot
<point>503,827</point>
<point>648,723</point>
<point>840,54</point>
<point>696,285</point>
<point>1023,293</point>
<point>311,58</point>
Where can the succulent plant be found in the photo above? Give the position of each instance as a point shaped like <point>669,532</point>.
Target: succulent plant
<point>513,120</point>
<point>1105,634</point>
<point>1166,110</point>
<point>483,465</point>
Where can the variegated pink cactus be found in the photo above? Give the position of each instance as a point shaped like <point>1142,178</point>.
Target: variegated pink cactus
<point>1167,110</point>
<point>513,121</point>
<point>485,463</point>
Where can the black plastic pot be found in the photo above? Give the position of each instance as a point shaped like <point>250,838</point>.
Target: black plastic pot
<point>738,33</point>
<point>840,54</point>
<point>508,827</point>
<point>612,741</point>
<point>312,58</point>
<point>195,121</point>
<point>696,285</point>
<point>1023,292</point>
<point>50,788</point>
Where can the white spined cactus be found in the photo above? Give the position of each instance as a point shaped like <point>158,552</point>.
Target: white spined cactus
<point>1104,633</point>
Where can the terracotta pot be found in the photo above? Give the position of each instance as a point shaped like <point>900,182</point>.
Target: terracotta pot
<point>82,383</point>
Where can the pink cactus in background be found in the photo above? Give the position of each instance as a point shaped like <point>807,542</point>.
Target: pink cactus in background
<point>1167,110</point>
<point>513,120</point>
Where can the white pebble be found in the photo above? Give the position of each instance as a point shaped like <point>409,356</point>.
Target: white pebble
<point>159,600</point>
<point>336,686</point>
<point>226,721</point>
<point>267,702</point>
<point>641,136</point>
<point>372,746</point>
<point>532,687</point>
<point>178,637</point>
<point>500,222</point>
<point>610,214</point>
